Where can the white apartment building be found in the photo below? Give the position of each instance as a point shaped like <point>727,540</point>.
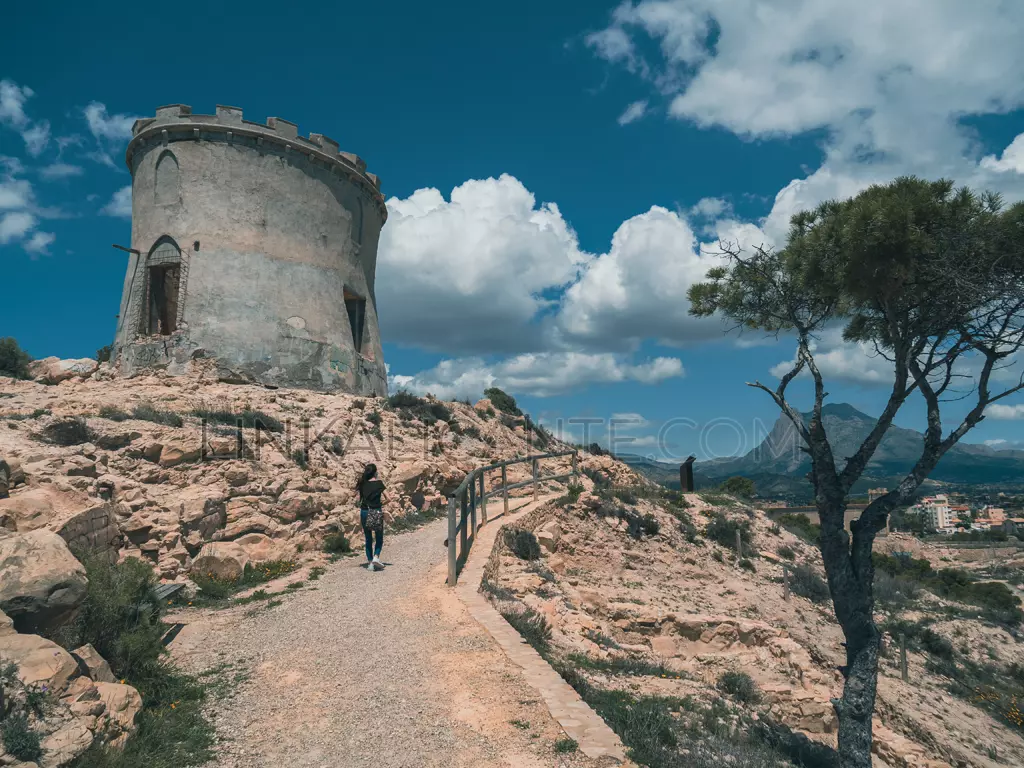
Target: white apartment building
<point>939,512</point>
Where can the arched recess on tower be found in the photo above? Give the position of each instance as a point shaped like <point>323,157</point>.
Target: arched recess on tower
<point>162,303</point>
<point>167,180</point>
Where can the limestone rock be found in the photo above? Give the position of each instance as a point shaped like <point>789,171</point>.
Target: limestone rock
<point>40,661</point>
<point>53,370</point>
<point>41,583</point>
<point>64,745</point>
<point>6,625</point>
<point>185,452</point>
<point>123,705</point>
<point>549,535</point>
<point>409,476</point>
<point>259,547</point>
<point>97,667</point>
<point>93,530</point>
<point>221,560</point>
<point>27,510</point>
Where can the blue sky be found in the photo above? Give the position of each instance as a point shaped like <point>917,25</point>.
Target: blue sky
<point>552,171</point>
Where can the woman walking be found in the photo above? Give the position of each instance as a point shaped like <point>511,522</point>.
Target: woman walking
<point>371,515</point>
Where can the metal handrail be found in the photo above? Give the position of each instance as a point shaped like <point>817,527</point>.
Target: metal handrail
<point>467,498</point>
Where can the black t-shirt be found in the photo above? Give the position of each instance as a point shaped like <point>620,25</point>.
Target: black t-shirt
<point>369,494</point>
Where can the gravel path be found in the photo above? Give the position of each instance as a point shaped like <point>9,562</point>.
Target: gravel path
<point>370,668</point>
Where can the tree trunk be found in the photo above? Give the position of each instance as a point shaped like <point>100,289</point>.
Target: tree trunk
<point>856,707</point>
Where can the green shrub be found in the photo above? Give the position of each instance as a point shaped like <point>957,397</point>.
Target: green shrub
<point>14,361</point>
<point>215,590</point>
<point>806,582</point>
<point>722,530</point>
<point>110,618</point>
<point>747,565</point>
<point>146,412</point>
<point>531,625</point>
<point>66,432</point>
<point>358,404</point>
<point>299,457</point>
<point>503,401</point>
<point>19,739</point>
<point>410,406</point>
<point>786,552</point>
<point>642,525</point>
<point>337,543</point>
<point>247,418</point>
<point>743,487</point>
<point>566,745</point>
<point>893,591</point>
<point>103,353</point>
<point>113,413</point>
<point>740,686</point>
<point>523,544</point>
<point>801,526</point>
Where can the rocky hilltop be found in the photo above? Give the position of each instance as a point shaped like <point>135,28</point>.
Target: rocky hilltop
<point>645,606</point>
<point>125,469</point>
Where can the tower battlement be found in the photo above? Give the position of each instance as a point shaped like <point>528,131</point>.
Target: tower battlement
<point>253,248</point>
<point>176,122</point>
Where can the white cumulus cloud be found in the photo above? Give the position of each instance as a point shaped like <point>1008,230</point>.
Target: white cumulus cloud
<point>39,242</point>
<point>637,290</point>
<point>633,112</point>
<point>539,374</point>
<point>15,225</point>
<point>120,204</point>
<point>471,273</point>
<point>1008,412</point>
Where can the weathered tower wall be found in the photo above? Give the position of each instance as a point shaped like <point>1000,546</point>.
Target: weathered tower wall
<point>257,248</point>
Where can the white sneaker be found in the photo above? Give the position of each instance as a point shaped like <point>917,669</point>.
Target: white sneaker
<point>377,563</point>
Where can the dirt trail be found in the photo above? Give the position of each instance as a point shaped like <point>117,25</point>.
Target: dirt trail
<point>360,668</point>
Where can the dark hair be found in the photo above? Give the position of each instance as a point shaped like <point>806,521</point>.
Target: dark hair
<point>368,472</point>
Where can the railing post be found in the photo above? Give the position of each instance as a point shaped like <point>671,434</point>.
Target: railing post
<point>453,576</point>
<point>464,521</point>
<point>472,505</point>
<point>535,474</point>
<point>483,499</point>
<point>504,485</point>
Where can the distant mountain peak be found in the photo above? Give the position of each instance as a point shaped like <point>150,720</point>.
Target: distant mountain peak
<point>843,411</point>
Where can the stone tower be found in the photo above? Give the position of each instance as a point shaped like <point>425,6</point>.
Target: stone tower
<point>257,248</point>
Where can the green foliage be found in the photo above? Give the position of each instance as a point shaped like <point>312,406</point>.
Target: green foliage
<point>1001,605</point>
<point>410,406</point>
<point>806,582</point>
<point>120,616</point>
<point>358,404</point>
<point>503,401</point>
<point>622,665</point>
<point>66,432</point>
<point>374,418</point>
<point>248,418</point>
<point>740,686</point>
<point>523,544</point>
<point>300,459</point>
<point>337,543</point>
<point>801,526</point>
<point>595,449</point>
<point>722,530</point>
<point>143,412</point>
<point>572,495</point>
<point>214,590</point>
<point>104,352</point>
<point>14,361</point>
<point>316,572</point>
<point>19,739</point>
<point>743,487</point>
<point>531,625</point>
<point>786,552</point>
<point>566,746</point>
<point>146,412</point>
<point>171,731</point>
<point>686,525</point>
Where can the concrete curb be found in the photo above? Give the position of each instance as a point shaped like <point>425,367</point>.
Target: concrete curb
<point>577,719</point>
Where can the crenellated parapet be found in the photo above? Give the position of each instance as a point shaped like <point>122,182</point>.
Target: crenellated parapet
<point>175,122</point>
